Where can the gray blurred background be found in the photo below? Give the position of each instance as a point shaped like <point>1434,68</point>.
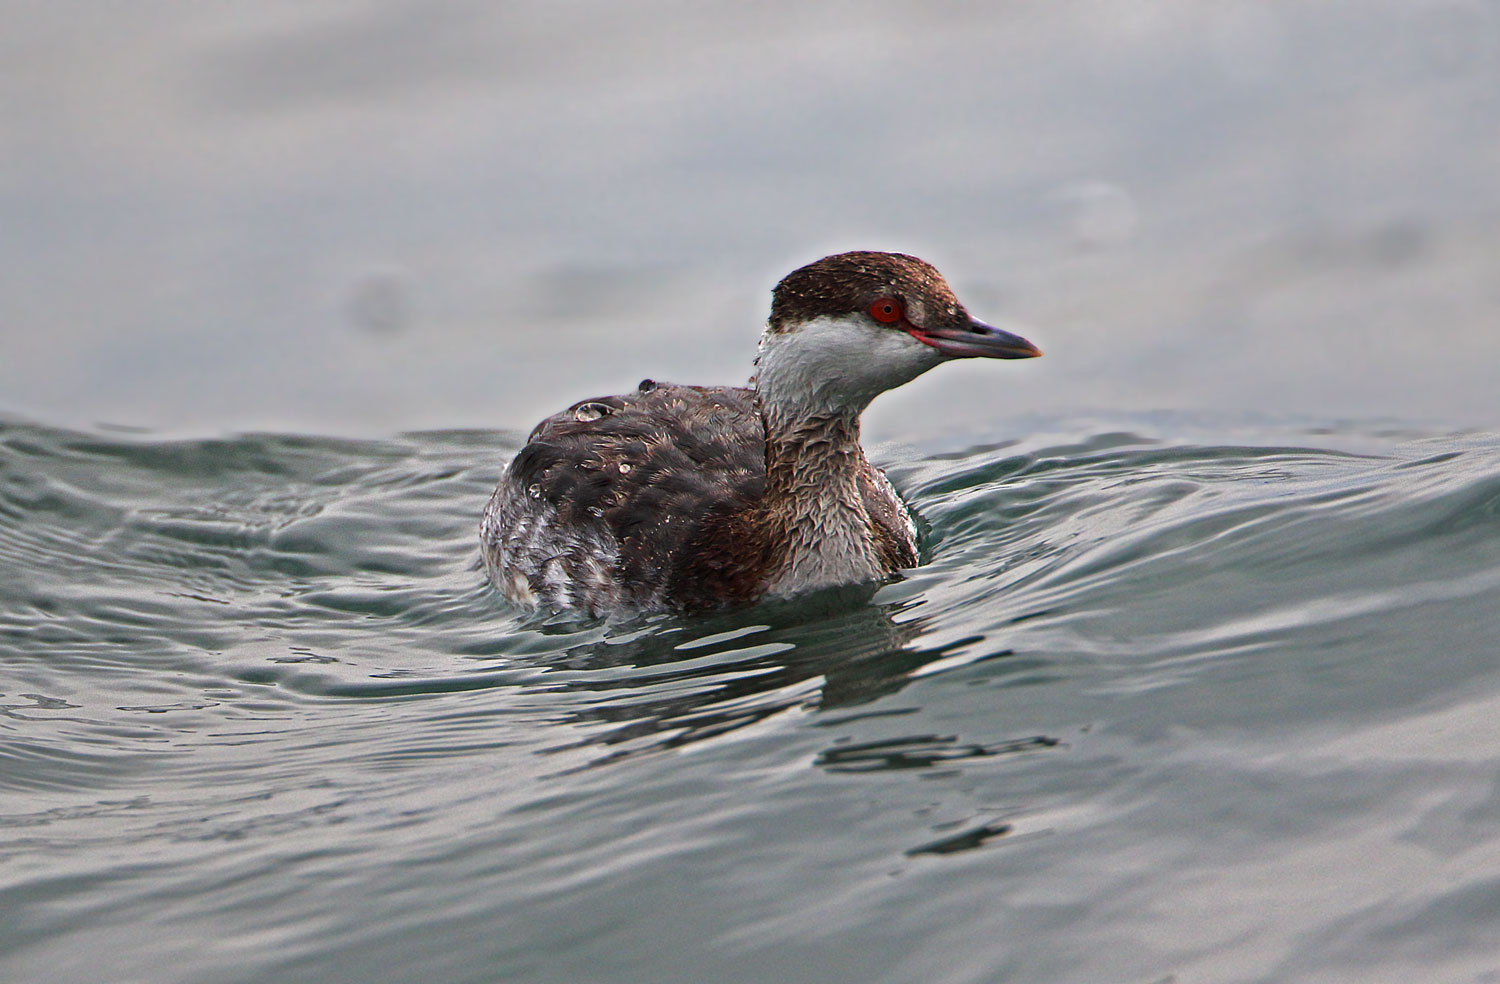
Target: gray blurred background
<point>371,216</point>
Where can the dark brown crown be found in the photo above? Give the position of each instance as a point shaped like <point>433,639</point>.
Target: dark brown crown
<point>850,282</point>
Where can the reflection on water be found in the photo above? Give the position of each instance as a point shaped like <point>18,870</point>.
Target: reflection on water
<point>695,690</point>
<point>920,752</point>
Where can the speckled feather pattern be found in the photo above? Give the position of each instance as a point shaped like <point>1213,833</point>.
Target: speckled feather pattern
<point>656,500</point>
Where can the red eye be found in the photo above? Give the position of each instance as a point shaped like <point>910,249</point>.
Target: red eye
<point>887,310</point>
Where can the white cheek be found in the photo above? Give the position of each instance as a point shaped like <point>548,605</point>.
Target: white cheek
<point>838,364</point>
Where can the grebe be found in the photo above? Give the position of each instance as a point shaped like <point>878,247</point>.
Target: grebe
<point>698,497</point>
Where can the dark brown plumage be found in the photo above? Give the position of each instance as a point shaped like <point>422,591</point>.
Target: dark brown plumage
<point>850,281</point>
<point>681,509</point>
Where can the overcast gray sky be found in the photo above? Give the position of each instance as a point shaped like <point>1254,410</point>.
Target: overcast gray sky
<point>365,217</point>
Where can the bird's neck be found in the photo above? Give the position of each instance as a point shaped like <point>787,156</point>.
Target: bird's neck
<point>813,504</point>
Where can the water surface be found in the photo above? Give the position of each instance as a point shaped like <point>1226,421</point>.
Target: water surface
<point>1212,699</point>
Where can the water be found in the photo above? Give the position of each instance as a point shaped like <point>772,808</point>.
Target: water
<point>1170,699</point>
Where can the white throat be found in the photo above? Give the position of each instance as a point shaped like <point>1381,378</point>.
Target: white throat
<point>834,366</point>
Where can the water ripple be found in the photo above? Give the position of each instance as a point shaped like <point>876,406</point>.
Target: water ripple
<point>225,660</point>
